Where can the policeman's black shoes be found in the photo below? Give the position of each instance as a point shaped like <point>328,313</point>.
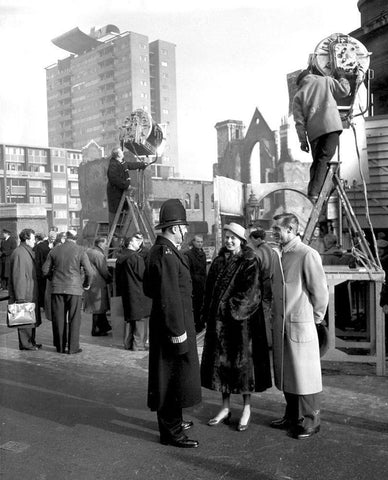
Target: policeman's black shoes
<point>186,424</point>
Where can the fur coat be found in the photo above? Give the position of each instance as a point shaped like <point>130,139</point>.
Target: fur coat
<point>235,358</point>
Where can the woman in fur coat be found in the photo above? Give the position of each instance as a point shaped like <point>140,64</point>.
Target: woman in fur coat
<point>235,358</point>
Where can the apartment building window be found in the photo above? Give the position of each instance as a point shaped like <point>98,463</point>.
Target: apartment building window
<point>143,58</point>
<point>59,168</point>
<point>164,64</point>
<point>58,183</point>
<point>72,170</point>
<point>37,168</point>
<point>60,213</point>
<point>38,200</point>
<point>165,111</point>
<point>59,153</point>
<point>164,75</point>
<point>60,199</point>
<point>14,151</point>
<point>163,51</point>
<point>187,201</point>
<point>143,83</point>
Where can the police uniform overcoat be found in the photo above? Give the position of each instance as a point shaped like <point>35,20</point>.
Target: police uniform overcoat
<point>173,357</point>
<point>300,298</point>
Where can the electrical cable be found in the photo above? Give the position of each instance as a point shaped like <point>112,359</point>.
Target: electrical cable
<point>367,213</point>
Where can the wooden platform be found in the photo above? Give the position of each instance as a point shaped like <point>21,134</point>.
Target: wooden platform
<point>375,346</point>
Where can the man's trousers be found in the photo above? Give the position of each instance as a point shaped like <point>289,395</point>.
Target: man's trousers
<point>66,318</point>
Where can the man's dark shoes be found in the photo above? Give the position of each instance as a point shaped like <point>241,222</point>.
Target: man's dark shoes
<point>183,442</point>
<point>300,432</point>
<point>77,351</point>
<point>281,423</point>
<point>186,425</point>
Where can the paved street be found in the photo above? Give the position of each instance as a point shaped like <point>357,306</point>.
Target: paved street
<point>81,417</point>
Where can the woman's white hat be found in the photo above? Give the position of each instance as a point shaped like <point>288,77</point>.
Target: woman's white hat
<point>237,230</point>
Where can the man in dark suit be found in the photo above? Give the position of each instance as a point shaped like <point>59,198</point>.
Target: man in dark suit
<point>174,380</point>
<point>8,245</point>
<point>196,258</point>
<point>118,179</point>
<point>66,265</point>
<point>23,285</point>
<point>129,280</point>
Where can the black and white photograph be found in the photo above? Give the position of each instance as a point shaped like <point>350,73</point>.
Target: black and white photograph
<point>193,240</point>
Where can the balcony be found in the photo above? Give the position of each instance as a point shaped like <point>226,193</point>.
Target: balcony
<point>18,190</point>
<point>26,174</point>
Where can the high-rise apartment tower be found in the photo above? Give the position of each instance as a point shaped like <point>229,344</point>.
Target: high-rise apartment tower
<point>107,76</point>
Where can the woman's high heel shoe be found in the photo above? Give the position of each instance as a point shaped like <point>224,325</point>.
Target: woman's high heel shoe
<point>216,421</point>
<point>241,427</point>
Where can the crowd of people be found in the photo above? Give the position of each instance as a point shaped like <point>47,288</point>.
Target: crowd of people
<point>253,296</point>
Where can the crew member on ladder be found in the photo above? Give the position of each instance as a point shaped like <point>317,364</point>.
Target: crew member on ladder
<point>119,180</point>
<point>318,122</point>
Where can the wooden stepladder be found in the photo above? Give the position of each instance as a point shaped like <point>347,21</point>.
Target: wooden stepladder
<point>130,219</point>
<point>333,182</point>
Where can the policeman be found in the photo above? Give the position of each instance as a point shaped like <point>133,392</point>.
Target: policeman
<point>174,380</point>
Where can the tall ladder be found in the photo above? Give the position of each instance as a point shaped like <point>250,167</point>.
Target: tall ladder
<point>332,180</point>
<point>132,219</point>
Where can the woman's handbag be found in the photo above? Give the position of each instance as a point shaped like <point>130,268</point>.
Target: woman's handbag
<point>21,315</point>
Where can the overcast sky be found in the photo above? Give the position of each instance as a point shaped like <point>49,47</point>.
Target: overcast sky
<point>231,58</point>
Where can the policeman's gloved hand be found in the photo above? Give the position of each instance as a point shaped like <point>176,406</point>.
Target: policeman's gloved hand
<point>143,165</point>
<point>304,146</point>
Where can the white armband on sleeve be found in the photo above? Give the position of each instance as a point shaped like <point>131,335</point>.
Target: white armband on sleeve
<point>182,338</point>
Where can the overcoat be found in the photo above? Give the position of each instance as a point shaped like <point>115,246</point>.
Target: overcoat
<point>41,251</point>
<point>66,265</point>
<point>96,299</point>
<point>235,357</point>
<point>118,181</point>
<point>129,281</point>
<point>196,258</point>
<point>300,298</point>
<point>173,357</point>
<point>23,282</point>
<point>7,247</point>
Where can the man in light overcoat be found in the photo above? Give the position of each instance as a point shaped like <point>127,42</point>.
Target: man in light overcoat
<point>300,298</point>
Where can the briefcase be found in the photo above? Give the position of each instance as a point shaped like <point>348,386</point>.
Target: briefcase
<point>21,315</point>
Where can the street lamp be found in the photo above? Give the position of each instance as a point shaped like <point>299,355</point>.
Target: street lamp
<point>253,209</point>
